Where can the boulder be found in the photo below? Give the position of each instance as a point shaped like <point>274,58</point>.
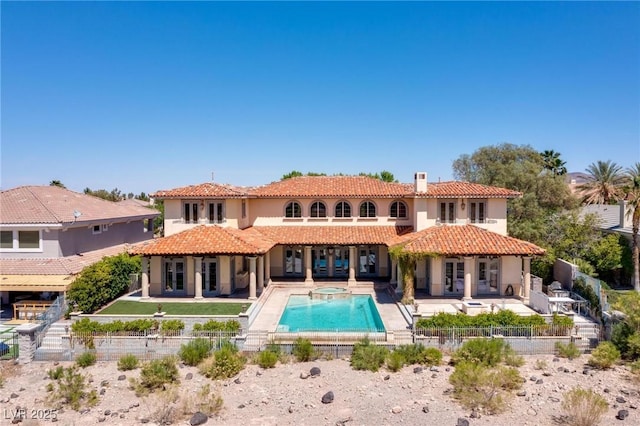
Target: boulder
<point>198,418</point>
<point>327,398</point>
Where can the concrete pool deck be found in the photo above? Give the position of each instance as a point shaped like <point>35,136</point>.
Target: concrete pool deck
<point>273,306</point>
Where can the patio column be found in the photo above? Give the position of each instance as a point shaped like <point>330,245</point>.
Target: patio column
<point>252,277</point>
<point>330,267</point>
<point>468,267</point>
<point>144,283</point>
<point>267,267</point>
<point>308,272</point>
<point>527,279</point>
<point>198,283</point>
<point>352,263</point>
<point>399,280</point>
<point>394,271</point>
<point>261,273</point>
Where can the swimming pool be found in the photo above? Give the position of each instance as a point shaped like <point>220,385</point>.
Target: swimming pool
<point>355,313</point>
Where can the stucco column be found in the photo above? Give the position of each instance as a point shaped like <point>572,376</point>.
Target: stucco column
<point>308,271</point>
<point>527,279</point>
<point>352,265</point>
<point>144,283</point>
<point>330,262</point>
<point>267,267</point>
<point>394,271</point>
<point>198,284</point>
<point>468,267</point>
<point>261,273</point>
<point>400,280</point>
<point>252,277</point>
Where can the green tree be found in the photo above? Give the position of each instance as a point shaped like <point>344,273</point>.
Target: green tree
<point>553,163</point>
<point>385,176</point>
<point>114,195</point>
<point>56,182</point>
<point>632,196</point>
<point>604,182</point>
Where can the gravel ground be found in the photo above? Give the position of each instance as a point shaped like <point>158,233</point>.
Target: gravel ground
<point>280,396</point>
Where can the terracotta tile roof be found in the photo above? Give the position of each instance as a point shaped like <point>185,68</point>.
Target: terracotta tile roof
<point>58,266</point>
<point>331,186</point>
<point>206,240</point>
<point>55,205</point>
<point>455,189</point>
<point>203,190</point>
<point>343,235</point>
<point>463,240</point>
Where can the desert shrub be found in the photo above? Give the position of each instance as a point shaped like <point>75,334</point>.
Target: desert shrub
<point>86,359</point>
<point>395,361</point>
<point>267,359</point>
<point>431,357</point>
<point>633,347</point>
<point>569,350</point>
<point>56,373</point>
<point>213,325</point>
<point>489,352</point>
<point>512,359</point>
<point>584,407</point>
<point>204,400</point>
<point>303,350</point>
<point>620,334</point>
<point>503,318</point>
<point>366,356</point>
<point>476,385</point>
<point>604,356</point>
<point>540,364</point>
<point>195,351</point>
<point>224,363</point>
<point>410,353</point>
<point>72,390</point>
<point>85,325</point>
<point>127,362</point>
<point>172,325</point>
<point>155,374</point>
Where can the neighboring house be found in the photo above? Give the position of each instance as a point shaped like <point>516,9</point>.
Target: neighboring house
<point>613,218</point>
<point>219,238</point>
<point>49,234</point>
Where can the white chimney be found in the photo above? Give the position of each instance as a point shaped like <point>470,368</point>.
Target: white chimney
<point>420,182</point>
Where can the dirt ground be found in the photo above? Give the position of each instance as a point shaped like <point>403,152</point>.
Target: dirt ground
<point>281,396</point>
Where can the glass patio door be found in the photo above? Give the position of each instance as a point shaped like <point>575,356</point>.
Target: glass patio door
<point>210,277</point>
<point>174,277</point>
<point>320,266</point>
<point>368,261</point>
<point>454,278</point>
<point>341,262</point>
<point>293,261</point>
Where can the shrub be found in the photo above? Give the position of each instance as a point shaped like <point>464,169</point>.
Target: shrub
<point>395,361</point>
<point>195,351</point>
<point>540,364</point>
<point>86,359</point>
<point>204,400</point>
<point>71,390</point>
<point>477,386</point>
<point>431,357</point>
<point>267,359</point>
<point>213,325</point>
<point>366,356</point>
<point>155,374</point>
<point>127,362</point>
<point>604,356</point>
<point>223,364</point>
<point>489,352</point>
<point>570,350</point>
<point>410,353</point>
<point>584,407</point>
<point>620,334</point>
<point>303,350</point>
<point>56,373</point>
<point>512,359</point>
<point>503,318</point>
<point>172,325</point>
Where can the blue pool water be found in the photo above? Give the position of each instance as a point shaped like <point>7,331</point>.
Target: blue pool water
<point>357,312</point>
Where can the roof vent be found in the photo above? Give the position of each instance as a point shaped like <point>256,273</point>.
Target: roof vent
<point>420,182</point>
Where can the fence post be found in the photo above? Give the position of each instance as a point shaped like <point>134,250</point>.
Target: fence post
<point>27,342</point>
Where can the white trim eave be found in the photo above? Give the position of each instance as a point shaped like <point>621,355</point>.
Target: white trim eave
<point>31,225</point>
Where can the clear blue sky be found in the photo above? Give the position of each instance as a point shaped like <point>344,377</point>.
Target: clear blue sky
<point>146,96</point>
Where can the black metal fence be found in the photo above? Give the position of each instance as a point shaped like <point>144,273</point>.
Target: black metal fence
<point>9,348</point>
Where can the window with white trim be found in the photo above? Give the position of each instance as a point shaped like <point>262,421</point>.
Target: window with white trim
<point>96,229</point>
<point>447,212</point>
<point>190,212</point>
<point>367,209</point>
<point>477,211</point>
<point>21,240</point>
<point>293,209</point>
<point>6,240</point>
<point>318,209</point>
<point>215,211</point>
<point>398,210</point>
<point>343,209</point>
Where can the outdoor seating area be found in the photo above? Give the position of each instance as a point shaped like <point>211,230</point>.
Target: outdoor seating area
<point>30,310</point>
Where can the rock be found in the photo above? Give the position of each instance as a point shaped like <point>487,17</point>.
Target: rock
<point>102,391</point>
<point>532,411</point>
<point>475,414</point>
<point>327,398</point>
<point>434,368</point>
<point>546,374</point>
<point>425,408</point>
<point>625,392</point>
<point>315,371</point>
<point>556,360</point>
<point>606,390</point>
<point>622,414</point>
<point>144,420</point>
<point>447,391</point>
<point>521,393</point>
<point>447,369</point>
<point>13,395</point>
<point>104,383</point>
<point>122,377</point>
<point>198,418</point>
<point>84,411</point>
<point>135,404</point>
<point>533,378</point>
<point>539,382</point>
<point>107,412</point>
<point>434,375</point>
<point>633,406</point>
<point>462,422</point>
<point>258,373</point>
<point>304,375</point>
<point>417,370</point>
<point>241,406</point>
<point>189,376</point>
<point>237,381</point>
<point>560,369</point>
<point>387,377</point>
<point>101,419</point>
<point>396,410</point>
<point>620,400</point>
<point>290,410</point>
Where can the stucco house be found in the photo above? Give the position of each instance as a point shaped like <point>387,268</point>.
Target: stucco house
<point>49,234</point>
<point>219,238</point>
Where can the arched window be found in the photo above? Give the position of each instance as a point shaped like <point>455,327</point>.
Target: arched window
<point>293,209</point>
<point>343,209</point>
<point>318,209</point>
<point>367,209</point>
<point>398,209</point>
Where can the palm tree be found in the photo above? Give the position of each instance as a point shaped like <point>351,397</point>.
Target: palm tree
<point>603,184</point>
<point>632,196</point>
<point>551,161</point>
